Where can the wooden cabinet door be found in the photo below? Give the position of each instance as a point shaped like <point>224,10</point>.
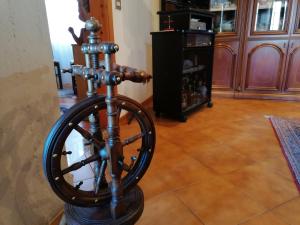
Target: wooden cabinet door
<point>225,62</point>
<point>292,83</point>
<point>264,63</point>
<point>102,11</point>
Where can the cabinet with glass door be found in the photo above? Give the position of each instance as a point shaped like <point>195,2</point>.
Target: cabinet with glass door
<point>226,53</point>
<point>270,16</point>
<point>226,15</point>
<point>225,11</point>
<point>270,56</point>
<point>257,47</point>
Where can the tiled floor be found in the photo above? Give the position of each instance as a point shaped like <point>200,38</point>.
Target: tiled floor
<point>223,167</point>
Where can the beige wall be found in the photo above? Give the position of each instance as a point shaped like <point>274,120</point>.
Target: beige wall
<point>28,107</point>
<point>132,27</point>
<point>28,100</point>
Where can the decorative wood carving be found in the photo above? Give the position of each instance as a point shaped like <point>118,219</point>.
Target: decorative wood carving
<point>224,66</point>
<point>293,71</point>
<point>264,67</point>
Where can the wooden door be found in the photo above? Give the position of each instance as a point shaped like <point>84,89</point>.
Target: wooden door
<point>265,48</point>
<point>292,83</point>
<point>227,55</point>
<point>225,64</point>
<point>264,63</point>
<point>102,11</point>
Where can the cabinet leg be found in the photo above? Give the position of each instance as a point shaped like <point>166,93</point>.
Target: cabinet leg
<point>182,118</point>
<point>210,104</point>
<point>157,114</point>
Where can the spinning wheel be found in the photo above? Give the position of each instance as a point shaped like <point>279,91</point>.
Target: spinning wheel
<point>97,176</point>
<point>137,139</point>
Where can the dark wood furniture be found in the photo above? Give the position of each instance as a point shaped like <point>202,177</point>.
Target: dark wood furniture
<point>263,54</point>
<point>228,26</point>
<point>182,70</point>
<point>185,19</point>
<point>257,48</point>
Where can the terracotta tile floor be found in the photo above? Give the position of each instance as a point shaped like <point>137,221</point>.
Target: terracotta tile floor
<point>224,166</point>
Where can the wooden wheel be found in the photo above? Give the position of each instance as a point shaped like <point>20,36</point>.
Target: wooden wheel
<point>61,170</point>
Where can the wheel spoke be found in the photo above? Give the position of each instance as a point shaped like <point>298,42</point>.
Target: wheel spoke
<point>100,175</point>
<point>87,135</point>
<point>132,139</point>
<point>79,185</point>
<point>80,164</point>
<point>119,110</point>
<point>66,153</point>
<point>126,167</point>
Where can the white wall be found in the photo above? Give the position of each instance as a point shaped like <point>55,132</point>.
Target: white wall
<point>28,108</point>
<point>132,27</point>
<point>62,15</point>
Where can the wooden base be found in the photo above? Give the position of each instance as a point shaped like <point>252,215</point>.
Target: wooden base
<point>134,204</point>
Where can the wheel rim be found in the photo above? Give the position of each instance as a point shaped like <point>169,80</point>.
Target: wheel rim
<point>54,151</point>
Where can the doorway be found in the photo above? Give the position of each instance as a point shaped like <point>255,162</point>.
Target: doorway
<point>63,20</point>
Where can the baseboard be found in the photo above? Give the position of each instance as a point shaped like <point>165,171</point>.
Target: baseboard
<point>56,220</point>
<point>222,94</point>
<point>264,96</point>
<point>256,95</point>
<point>148,101</point>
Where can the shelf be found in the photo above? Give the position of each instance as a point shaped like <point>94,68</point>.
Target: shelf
<point>185,32</point>
<point>193,48</point>
<point>193,69</point>
<point>194,106</point>
<point>224,10</point>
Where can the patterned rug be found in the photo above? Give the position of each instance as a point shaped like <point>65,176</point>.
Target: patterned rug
<point>288,134</point>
